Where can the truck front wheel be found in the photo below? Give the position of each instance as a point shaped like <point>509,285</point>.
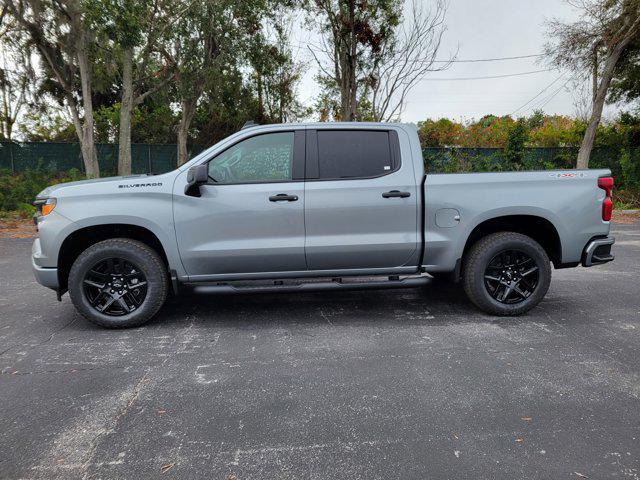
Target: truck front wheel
<point>118,283</point>
<point>506,273</point>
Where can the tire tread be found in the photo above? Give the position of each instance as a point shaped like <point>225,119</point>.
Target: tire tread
<point>139,248</point>
<point>472,266</point>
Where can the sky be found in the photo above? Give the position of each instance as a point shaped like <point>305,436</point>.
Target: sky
<point>480,29</point>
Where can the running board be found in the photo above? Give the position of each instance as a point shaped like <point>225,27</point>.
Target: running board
<point>278,286</point>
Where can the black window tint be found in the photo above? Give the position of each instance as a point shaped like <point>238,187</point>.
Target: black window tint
<point>353,153</point>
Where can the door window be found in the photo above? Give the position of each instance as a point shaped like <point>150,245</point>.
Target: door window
<point>354,154</point>
<point>263,158</point>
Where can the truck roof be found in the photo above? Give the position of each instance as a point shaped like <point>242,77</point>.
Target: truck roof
<point>328,124</point>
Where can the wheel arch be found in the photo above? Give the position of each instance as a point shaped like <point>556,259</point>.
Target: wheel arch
<point>536,227</point>
<point>79,240</point>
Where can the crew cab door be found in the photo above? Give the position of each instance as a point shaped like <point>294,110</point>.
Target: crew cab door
<point>250,216</point>
<point>361,200</point>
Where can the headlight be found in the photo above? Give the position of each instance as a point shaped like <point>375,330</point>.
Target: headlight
<point>44,206</point>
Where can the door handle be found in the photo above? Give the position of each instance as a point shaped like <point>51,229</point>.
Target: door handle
<point>396,194</point>
<point>283,197</point>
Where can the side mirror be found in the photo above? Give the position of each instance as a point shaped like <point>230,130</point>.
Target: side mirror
<point>196,176</point>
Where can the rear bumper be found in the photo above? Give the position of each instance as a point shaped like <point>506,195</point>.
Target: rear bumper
<point>45,276</point>
<point>597,251</point>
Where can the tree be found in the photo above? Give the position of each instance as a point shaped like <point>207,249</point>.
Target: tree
<point>196,42</point>
<point>62,36</point>
<point>16,74</point>
<point>625,85</point>
<point>405,58</point>
<point>605,30</point>
<point>135,28</point>
<point>353,33</point>
<point>210,46</point>
<point>439,133</point>
<point>275,72</point>
<point>516,140</point>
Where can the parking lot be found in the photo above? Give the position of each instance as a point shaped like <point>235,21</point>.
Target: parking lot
<point>377,384</point>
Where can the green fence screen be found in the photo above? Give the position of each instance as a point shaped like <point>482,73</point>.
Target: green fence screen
<point>450,160</point>
<point>160,158</point>
<point>61,157</point>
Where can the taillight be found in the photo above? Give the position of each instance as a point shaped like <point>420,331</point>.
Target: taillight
<point>606,183</point>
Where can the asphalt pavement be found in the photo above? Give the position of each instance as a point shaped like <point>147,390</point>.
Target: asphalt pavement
<point>389,384</point>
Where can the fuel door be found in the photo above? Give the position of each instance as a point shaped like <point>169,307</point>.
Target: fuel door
<point>447,218</point>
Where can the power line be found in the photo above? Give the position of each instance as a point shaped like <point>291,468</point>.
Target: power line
<point>537,95</point>
<point>489,59</point>
<point>486,78</point>
<point>551,97</point>
<point>469,60</point>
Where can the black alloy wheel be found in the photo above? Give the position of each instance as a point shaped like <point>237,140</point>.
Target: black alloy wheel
<point>511,276</point>
<point>506,273</point>
<point>115,287</point>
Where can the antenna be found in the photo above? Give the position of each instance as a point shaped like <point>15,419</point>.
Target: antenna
<point>249,124</point>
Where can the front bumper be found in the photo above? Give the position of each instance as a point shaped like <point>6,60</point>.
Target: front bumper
<point>598,251</point>
<point>45,276</point>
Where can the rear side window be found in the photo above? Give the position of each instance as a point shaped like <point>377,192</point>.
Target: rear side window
<point>354,154</point>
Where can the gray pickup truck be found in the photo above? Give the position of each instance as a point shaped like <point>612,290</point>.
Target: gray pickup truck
<point>316,206</point>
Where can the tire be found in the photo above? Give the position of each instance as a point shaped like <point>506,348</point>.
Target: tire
<point>142,277</point>
<point>497,262</point>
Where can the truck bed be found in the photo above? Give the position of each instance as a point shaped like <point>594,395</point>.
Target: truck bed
<point>569,200</point>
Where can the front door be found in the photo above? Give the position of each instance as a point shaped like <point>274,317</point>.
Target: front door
<point>361,201</point>
<point>250,216</point>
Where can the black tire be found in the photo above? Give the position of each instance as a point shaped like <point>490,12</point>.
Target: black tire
<point>129,252</point>
<point>479,279</point>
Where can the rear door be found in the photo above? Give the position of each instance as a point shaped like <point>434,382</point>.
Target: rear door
<point>361,200</point>
<point>250,216</point>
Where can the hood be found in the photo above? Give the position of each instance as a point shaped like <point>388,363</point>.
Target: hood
<point>49,191</point>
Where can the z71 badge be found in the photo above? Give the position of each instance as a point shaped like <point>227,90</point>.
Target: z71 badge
<point>566,175</point>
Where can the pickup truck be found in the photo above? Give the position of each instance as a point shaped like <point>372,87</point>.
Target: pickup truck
<point>298,207</point>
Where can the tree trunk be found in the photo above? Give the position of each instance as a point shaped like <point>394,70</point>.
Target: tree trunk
<point>346,66</point>
<point>598,105</point>
<point>60,68</point>
<point>261,115</point>
<point>188,111</point>
<point>348,88</point>
<point>87,141</point>
<point>126,108</point>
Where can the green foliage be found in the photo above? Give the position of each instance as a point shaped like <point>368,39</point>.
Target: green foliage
<point>625,86</point>
<point>17,191</point>
<point>630,166</point>
<point>439,133</point>
<point>517,137</point>
<point>536,143</point>
<point>358,34</point>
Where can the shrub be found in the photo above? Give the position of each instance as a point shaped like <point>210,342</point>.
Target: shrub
<point>18,190</point>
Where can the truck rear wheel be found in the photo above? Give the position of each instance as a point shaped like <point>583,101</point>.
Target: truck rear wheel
<point>506,273</point>
<point>118,283</point>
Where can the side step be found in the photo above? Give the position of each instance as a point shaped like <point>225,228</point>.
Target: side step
<point>279,286</point>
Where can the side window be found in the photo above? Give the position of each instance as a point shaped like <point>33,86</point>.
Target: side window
<point>263,158</point>
<point>354,154</point>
